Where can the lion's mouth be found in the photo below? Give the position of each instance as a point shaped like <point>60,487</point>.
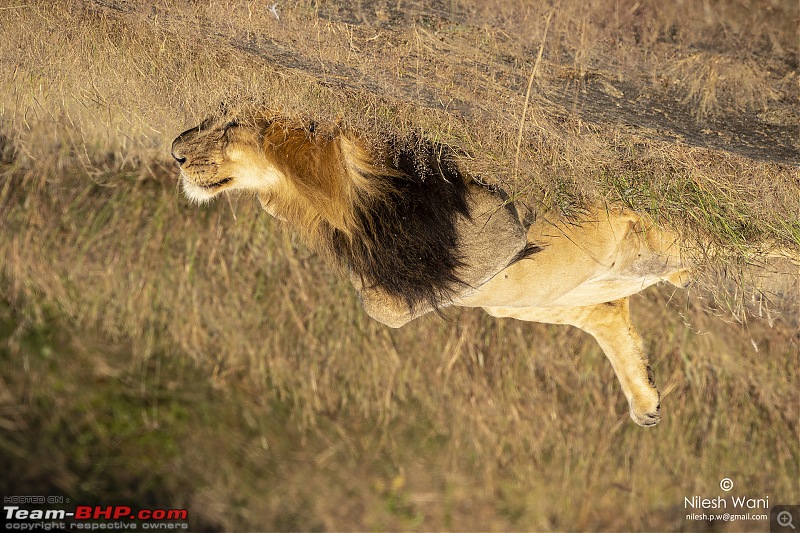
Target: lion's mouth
<point>217,184</point>
<point>202,192</point>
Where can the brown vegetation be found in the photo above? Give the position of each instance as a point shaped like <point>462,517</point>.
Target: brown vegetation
<point>167,354</point>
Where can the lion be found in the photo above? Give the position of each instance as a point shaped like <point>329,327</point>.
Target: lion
<point>417,234</point>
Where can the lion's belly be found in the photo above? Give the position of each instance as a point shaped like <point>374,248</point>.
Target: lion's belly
<point>619,281</point>
<point>601,291</point>
<point>566,290</point>
<point>579,265</point>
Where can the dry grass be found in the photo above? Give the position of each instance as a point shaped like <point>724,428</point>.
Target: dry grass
<point>139,326</point>
<point>711,80</point>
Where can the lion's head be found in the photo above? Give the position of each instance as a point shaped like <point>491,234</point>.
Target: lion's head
<point>223,155</point>
<point>313,177</point>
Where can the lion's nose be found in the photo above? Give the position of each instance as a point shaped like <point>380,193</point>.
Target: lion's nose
<point>176,150</point>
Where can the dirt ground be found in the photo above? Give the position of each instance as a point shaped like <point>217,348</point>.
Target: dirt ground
<point>650,104</point>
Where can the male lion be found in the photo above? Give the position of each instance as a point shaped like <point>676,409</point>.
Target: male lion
<point>417,234</point>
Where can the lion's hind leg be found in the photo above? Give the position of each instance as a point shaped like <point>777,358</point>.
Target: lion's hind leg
<point>610,324</point>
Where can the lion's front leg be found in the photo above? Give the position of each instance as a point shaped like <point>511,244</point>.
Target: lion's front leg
<point>609,323</point>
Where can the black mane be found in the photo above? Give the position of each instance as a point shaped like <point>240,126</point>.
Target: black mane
<point>407,244</point>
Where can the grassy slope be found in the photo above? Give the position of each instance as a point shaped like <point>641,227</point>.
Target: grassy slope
<point>137,327</point>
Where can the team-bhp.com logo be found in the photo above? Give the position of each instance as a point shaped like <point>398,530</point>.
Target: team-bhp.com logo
<point>94,517</point>
<point>117,512</point>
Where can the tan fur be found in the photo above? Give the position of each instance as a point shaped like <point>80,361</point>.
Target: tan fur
<point>325,178</point>
<point>298,177</point>
<point>583,276</point>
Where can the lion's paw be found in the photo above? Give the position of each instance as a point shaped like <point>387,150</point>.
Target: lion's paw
<point>645,409</point>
